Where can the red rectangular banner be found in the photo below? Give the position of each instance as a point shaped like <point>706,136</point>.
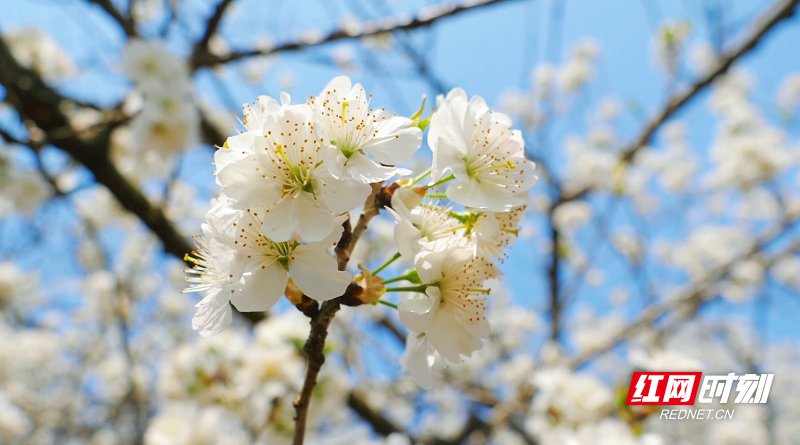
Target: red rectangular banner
<point>663,388</point>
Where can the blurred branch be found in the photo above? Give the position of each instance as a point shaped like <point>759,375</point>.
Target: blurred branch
<point>43,105</point>
<point>203,59</point>
<point>40,103</point>
<point>473,425</point>
<point>554,281</point>
<point>35,100</point>
<point>379,423</point>
<point>212,25</point>
<point>418,58</point>
<point>396,331</point>
<point>126,23</point>
<point>693,295</point>
<point>760,27</point>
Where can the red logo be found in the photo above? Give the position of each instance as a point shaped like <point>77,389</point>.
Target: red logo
<point>663,388</point>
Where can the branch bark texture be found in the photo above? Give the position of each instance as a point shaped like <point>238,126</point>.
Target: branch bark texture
<point>321,321</point>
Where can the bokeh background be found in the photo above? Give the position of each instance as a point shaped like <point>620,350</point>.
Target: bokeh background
<point>661,236</point>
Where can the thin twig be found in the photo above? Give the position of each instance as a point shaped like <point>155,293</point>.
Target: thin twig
<point>692,295</point>
<point>778,12</point>
<point>206,59</point>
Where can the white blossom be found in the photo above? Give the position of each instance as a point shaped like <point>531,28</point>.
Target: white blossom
<point>361,144</point>
<point>479,148</point>
<point>450,306</point>
<point>213,271</point>
<point>263,264</point>
<point>281,170</point>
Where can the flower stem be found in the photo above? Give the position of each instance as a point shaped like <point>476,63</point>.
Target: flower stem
<point>443,180</point>
<point>420,288</point>
<point>421,177</point>
<point>386,303</point>
<point>386,264</point>
<point>400,278</point>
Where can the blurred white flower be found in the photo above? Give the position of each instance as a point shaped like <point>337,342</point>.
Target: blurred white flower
<point>36,50</point>
<point>786,270</point>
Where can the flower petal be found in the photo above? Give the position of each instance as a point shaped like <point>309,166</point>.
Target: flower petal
<point>406,237</point>
<point>483,196</point>
<point>363,169</point>
<point>315,272</point>
<point>418,359</point>
<point>429,263</point>
<point>417,310</point>
<point>453,338</point>
<point>447,158</point>
<point>238,147</point>
<point>246,186</point>
<point>395,140</point>
<point>263,286</point>
<point>342,196</point>
<point>213,313</point>
<point>314,222</point>
<point>280,221</point>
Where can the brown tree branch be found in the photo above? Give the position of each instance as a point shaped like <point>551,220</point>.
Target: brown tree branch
<point>759,28</point>
<point>212,25</point>
<point>127,23</point>
<point>316,357</point>
<point>322,320</point>
<point>205,59</point>
<point>379,423</point>
<point>553,275</point>
<point>40,103</point>
<point>35,100</point>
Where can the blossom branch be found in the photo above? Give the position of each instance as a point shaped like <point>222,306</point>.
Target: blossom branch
<point>204,59</point>
<point>693,295</point>
<point>349,239</point>
<point>760,27</point>
<point>314,353</point>
<point>321,321</point>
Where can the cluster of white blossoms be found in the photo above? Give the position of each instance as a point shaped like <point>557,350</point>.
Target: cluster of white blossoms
<point>38,51</point>
<point>289,181</point>
<point>166,119</point>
